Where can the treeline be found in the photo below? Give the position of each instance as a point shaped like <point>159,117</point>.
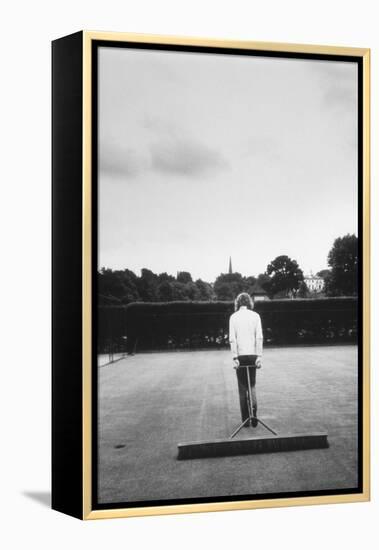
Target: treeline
<point>283,278</point>
<point>124,287</point>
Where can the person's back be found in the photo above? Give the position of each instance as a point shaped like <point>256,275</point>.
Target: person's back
<point>245,332</point>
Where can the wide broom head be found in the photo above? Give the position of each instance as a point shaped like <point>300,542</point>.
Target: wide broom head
<point>253,445</point>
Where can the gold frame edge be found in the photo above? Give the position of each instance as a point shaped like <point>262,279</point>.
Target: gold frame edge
<point>88,513</point>
<point>225,43</point>
<point>366,272</point>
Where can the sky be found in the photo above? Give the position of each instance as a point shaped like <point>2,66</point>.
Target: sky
<point>205,156</point>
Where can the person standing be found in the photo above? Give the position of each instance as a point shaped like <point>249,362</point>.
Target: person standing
<point>246,344</point>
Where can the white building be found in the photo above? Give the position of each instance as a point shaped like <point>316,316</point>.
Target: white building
<point>314,282</point>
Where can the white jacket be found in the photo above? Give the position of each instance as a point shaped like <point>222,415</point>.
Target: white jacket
<point>245,333</point>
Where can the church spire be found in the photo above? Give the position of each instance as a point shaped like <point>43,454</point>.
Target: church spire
<point>230,265</point>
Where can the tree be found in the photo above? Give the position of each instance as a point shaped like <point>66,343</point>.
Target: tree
<point>285,276</point>
<point>184,277</point>
<point>324,273</point>
<point>179,292</point>
<point>163,277</point>
<point>192,292</point>
<point>148,285</point>
<point>120,286</point>
<point>205,290</point>
<point>343,263</point>
<point>264,281</point>
<point>165,292</point>
<point>228,285</point>
<point>303,290</point>
<point>250,283</point>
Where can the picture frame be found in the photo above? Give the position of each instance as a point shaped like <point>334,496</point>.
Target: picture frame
<point>77,160</point>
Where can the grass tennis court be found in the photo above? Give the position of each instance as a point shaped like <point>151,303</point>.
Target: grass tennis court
<point>150,402</point>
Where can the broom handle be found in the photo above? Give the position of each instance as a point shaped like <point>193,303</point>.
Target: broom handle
<point>249,392</point>
<point>251,405</point>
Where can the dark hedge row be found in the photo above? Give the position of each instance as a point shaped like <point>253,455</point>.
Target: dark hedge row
<point>200,325</point>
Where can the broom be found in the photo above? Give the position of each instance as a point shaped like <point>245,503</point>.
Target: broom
<point>253,445</point>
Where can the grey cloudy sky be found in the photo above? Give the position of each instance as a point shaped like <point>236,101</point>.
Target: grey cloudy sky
<point>206,156</point>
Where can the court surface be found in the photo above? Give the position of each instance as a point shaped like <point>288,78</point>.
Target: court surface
<point>150,402</point>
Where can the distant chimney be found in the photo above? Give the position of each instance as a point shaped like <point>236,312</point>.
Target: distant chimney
<point>230,265</point>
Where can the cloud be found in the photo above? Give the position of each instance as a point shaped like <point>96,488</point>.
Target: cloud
<point>186,157</point>
<point>175,156</point>
<point>118,160</point>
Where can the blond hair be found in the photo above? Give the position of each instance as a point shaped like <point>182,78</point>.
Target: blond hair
<point>243,299</point>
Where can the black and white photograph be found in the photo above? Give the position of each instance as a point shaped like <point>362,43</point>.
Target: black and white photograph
<point>190,275</point>
<point>227,276</point>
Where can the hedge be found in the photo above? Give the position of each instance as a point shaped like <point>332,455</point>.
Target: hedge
<point>200,325</point>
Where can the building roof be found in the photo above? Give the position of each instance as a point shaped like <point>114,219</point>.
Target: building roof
<point>311,276</point>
